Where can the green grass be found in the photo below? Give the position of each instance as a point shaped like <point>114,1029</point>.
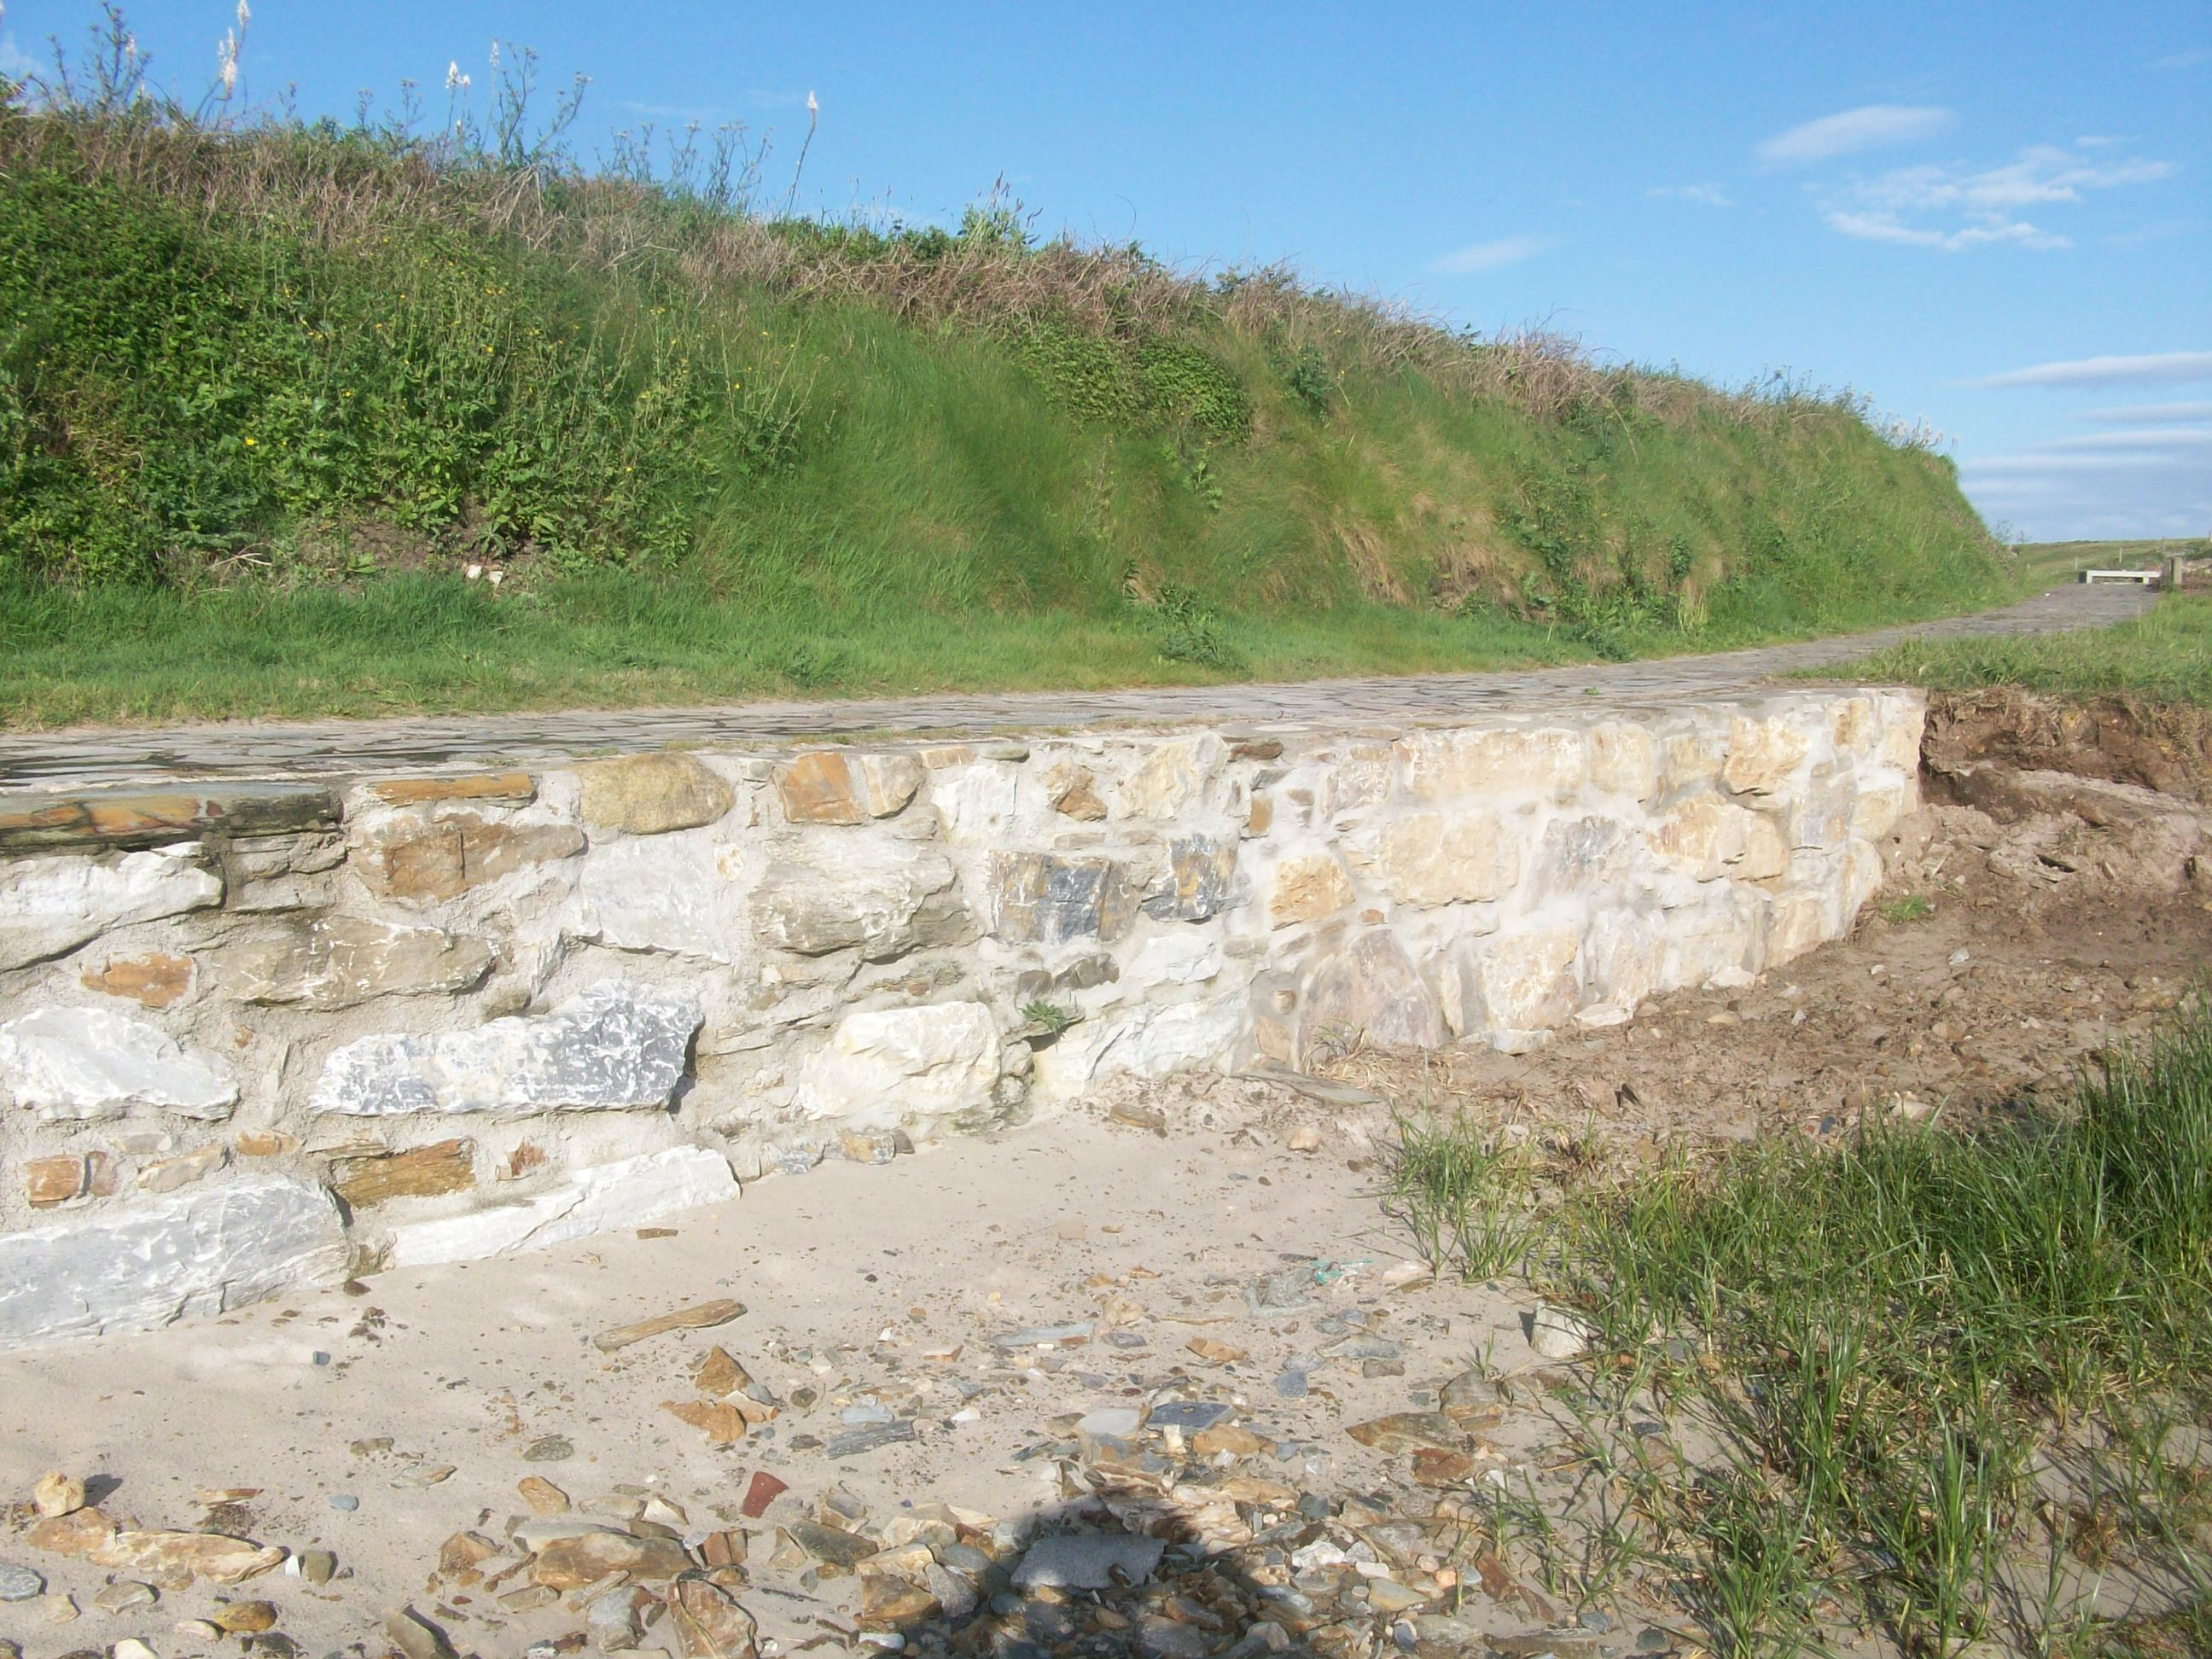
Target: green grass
<point>1935,1372</point>
<point>2164,656</point>
<point>267,389</point>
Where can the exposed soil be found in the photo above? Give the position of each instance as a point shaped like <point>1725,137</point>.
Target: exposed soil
<point>2164,747</point>
<point>944,1341</point>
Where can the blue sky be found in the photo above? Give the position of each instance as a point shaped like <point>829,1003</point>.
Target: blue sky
<point>1996,219</point>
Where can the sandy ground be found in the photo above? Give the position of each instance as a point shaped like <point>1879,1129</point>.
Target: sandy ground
<point>987,1296</point>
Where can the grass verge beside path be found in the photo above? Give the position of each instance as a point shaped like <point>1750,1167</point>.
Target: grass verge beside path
<point>438,644</point>
<point>2165,656</point>
<point>1944,1383</point>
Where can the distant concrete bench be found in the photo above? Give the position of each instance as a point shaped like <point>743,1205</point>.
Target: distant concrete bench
<point>2147,578</point>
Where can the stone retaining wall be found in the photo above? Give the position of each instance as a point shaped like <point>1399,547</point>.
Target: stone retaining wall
<point>271,1034</point>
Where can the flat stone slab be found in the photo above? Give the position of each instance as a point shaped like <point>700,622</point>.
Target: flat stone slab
<point>87,1064</point>
<point>201,1254</point>
<point>611,1195</point>
<point>30,822</point>
<point>616,1047</point>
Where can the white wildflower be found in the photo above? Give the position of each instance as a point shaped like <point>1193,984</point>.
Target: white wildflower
<point>243,16</point>
<point>812,108</point>
<point>494,56</point>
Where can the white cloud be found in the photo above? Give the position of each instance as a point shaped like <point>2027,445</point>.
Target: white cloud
<point>14,63</point>
<point>2064,491</point>
<point>2195,58</point>
<point>1710,196</point>
<point>1872,126</point>
<point>1942,205</point>
<point>1489,256</point>
<point>2148,415</point>
<point>2156,368</point>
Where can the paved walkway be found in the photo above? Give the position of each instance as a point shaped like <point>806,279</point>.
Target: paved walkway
<point>327,749</point>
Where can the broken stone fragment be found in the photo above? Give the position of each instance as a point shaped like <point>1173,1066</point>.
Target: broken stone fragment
<point>708,1621</point>
<point>88,1064</point>
<point>652,794</point>
<point>572,1563</point>
<point>174,1560</point>
<point>724,1422</point>
<point>615,1047</point>
<point>1088,1561</point>
<point>543,1496</point>
<point>1556,1333</point>
<point>415,1636</point>
<point>699,1316</point>
<point>1404,1432</point>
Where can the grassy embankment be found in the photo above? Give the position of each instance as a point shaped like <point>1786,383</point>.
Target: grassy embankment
<point>268,390</point>
<point>1944,1383</point>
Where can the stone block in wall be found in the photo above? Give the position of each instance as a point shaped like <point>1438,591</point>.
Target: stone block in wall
<point>1882,801</point>
<point>682,894</point>
<point>336,961</point>
<point>423,859</point>
<point>87,1064</point>
<point>1722,936</point>
<point>1624,760</point>
<point>156,980</point>
<point>50,905</point>
<point>1072,791</point>
<point>651,794</point>
<point>1762,754</point>
<point>1465,855</point>
<point>1624,956</point>
<point>60,1178</point>
<point>445,1166</point>
<point>880,895</point>
<point>1706,837</point>
<point>1578,857</point>
<point>1853,726</point>
<point>1547,761</point>
<point>846,787</point>
<point>1183,957</point>
<point>1821,814</point>
<point>598,1199</point>
<point>1151,1039</point>
<point>1200,869</point>
<point>887,1065</point>
<point>1042,899</point>
<point>616,1047</point>
<point>1511,987</point>
<point>126,818</point>
<point>1305,887</point>
<point>1367,991</point>
<point>169,1175</point>
<point>199,1253</point>
<point>1904,723</point>
<point>977,802</point>
<point>1175,773</point>
<point>508,788</point>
